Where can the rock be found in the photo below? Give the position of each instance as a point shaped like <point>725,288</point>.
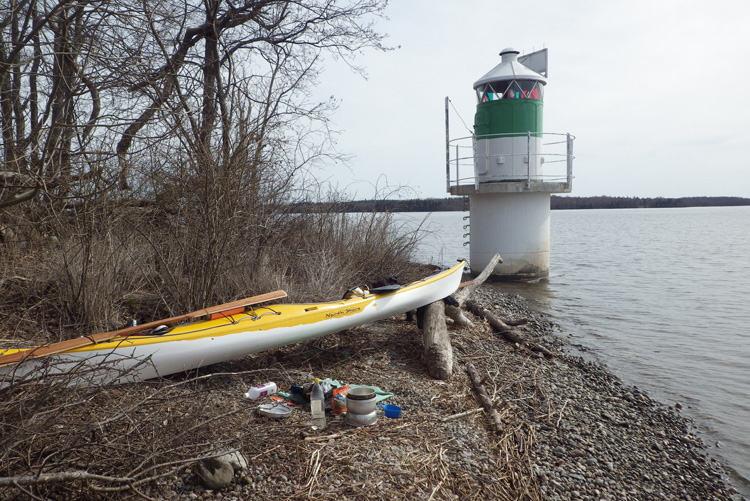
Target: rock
<point>215,474</point>
<point>236,459</point>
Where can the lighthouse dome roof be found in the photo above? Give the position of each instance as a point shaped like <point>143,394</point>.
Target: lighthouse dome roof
<point>510,69</point>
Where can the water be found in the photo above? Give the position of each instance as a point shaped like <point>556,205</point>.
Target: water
<point>660,296</point>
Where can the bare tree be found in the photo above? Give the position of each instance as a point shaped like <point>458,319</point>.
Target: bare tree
<point>233,93</point>
<point>75,72</point>
<point>200,111</point>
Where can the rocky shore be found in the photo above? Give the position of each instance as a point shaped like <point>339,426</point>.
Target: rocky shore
<point>569,429</point>
<point>611,441</point>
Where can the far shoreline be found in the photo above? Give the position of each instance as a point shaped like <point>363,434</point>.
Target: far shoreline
<point>454,204</point>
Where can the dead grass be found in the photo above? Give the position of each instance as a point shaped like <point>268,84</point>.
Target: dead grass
<point>136,265</point>
<point>145,437</point>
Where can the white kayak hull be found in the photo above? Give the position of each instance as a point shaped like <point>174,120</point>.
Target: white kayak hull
<point>199,344</point>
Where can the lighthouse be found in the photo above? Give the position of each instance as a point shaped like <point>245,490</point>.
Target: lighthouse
<point>516,167</point>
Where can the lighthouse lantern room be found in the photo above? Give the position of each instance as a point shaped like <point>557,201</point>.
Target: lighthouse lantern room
<point>516,166</point>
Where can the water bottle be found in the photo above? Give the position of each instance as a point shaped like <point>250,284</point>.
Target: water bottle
<point>262,390</point>
<point>318,405</point>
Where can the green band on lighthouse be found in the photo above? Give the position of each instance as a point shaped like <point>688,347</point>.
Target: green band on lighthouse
<point>508,117</point>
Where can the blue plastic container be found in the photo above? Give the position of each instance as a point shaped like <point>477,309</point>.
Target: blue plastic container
<point>391,411</point>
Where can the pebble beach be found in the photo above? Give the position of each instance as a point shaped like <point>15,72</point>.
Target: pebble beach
<point>570,429</point>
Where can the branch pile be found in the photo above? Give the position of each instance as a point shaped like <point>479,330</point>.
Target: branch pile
<point>505,330</point>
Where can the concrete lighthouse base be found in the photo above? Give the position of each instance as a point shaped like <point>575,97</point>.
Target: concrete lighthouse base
<point>516,225</point>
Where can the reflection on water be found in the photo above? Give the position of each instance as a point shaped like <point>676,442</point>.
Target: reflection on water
<point>660,295</point>
<point>539,293</point>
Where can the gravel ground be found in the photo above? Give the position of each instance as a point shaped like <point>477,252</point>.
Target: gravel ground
<point>571,430</point>
<point>612,441</point>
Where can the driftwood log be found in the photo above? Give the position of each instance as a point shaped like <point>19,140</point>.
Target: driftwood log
<point>438,352</point>
<point>463,295</point>
<point>457,315</point>
<point>506,331</point>
<point>484,398</point>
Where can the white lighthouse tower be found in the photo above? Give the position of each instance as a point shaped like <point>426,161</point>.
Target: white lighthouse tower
<point>516,166</point>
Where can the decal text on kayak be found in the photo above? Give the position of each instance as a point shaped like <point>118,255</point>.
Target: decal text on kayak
<point>343,311</point>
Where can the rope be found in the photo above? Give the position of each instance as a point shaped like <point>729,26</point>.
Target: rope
<point>460,117</point>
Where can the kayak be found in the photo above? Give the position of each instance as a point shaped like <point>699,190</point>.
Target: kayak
<point>141,352</point>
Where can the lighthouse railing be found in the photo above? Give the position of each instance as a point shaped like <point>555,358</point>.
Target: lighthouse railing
<point>543,160</point>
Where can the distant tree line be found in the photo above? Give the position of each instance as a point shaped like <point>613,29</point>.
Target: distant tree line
<point>603,202</point>
<point>411,205</point>
<point>556,203</point>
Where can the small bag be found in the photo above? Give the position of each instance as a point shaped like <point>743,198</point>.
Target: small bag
<point>338,399</point>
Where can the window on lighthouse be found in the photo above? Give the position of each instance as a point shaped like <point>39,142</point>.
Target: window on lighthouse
<point>510,89</point>
<point>493,91</point>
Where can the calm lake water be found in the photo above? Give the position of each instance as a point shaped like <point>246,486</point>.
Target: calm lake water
<point>659,296</point>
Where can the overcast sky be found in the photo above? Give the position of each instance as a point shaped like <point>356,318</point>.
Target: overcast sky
<point>655,92</point>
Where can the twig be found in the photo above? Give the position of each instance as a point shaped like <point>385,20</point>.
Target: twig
<point>207,421</point>
<point>141,481</point>
<point>561,413</point>
<point>315,463</point>
<point>264,453</point>
<point>463,414</point>
<point>437,488</point>
<point>62,476</point>
<point>28,493</point>
<point>141,494</point>
<point>405,425</point>
<point>323,437</point>
<point>15,277</point>
<point>483,397</point>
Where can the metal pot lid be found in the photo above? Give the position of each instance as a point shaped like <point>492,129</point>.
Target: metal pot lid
<point>361,393</point>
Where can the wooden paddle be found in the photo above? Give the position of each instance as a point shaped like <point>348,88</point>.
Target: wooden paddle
<point>211,313</point>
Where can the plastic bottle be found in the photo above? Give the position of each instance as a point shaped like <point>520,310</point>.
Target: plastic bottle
<point>318,405</point>
<point>262,390</point>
